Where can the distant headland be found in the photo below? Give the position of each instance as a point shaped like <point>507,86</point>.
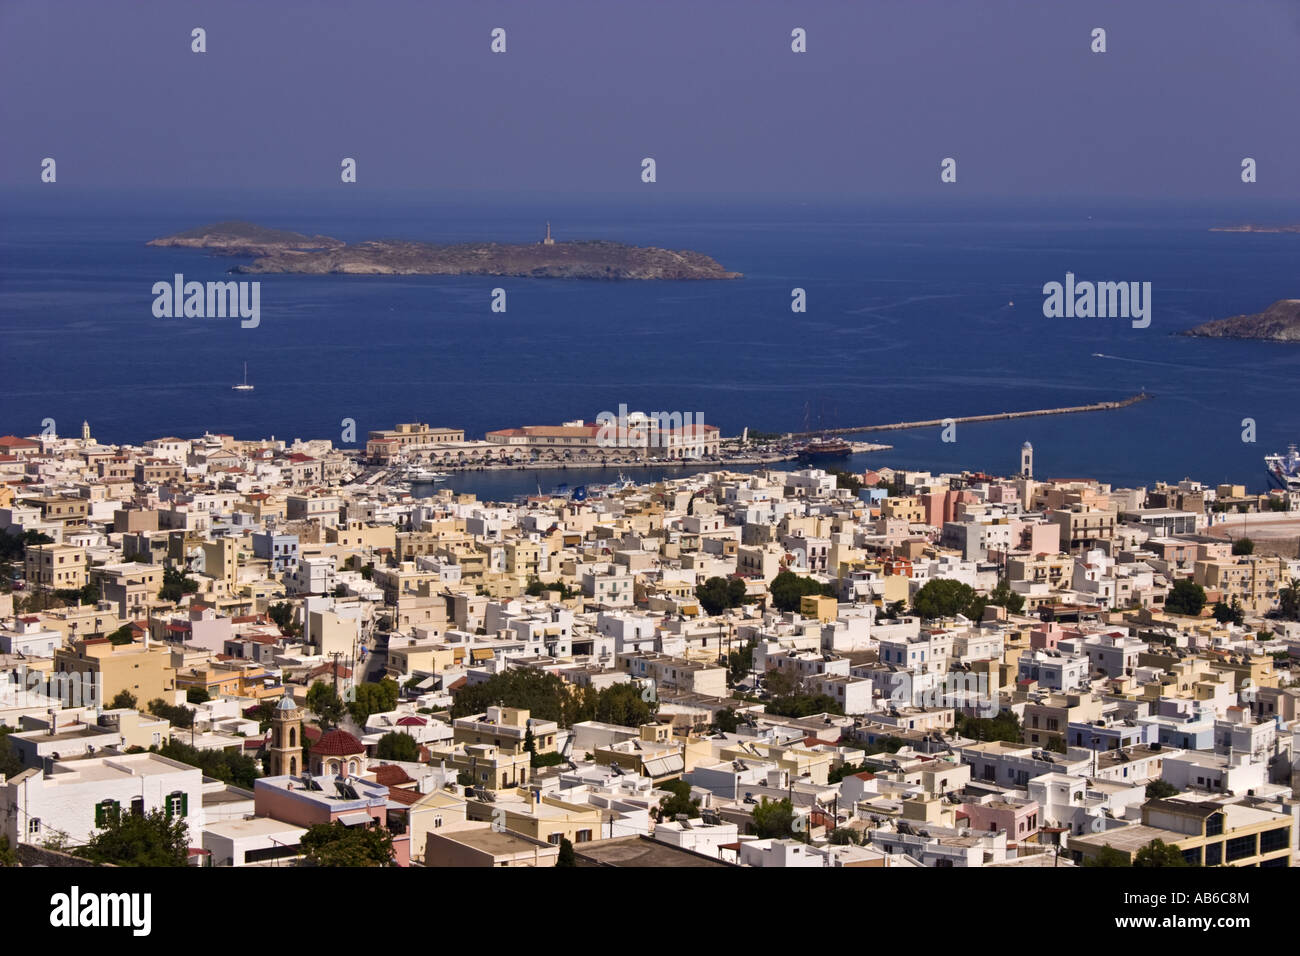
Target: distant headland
<point>1280,322</point>
<point>1252,227</point>
<point>278,251</point>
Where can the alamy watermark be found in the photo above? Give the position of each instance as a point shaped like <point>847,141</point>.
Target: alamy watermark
<point>1102,300</point>
<point>682,431</point>
<point>32,688</point>
<point>960,691</point>
<point>208,300</point>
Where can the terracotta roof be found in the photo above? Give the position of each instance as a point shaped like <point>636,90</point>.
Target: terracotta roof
<point>411,721</point>
<point>408,797</point>
<point>389,774</point>
<point>337,743</point>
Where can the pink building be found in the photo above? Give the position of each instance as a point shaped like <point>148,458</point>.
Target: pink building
<point>307,801</point>
<point>1019,821</point>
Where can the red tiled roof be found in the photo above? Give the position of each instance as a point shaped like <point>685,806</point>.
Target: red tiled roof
<point>408,797</point>
<point>337,743</point>
<point>389,774</point>
<point>411,721</point>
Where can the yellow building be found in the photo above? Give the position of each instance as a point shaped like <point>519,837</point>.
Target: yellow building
<point>1253,580</point>
<point>144,672</point>
<point>548,820</point>
<point>56,566</point>
<point>1208,834</point>
<point>819,607</point>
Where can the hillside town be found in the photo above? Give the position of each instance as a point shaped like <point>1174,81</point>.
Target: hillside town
<point>268,653</point>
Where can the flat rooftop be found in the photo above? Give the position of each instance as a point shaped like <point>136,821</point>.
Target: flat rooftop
<point>639,851</point>
<point>254,827</point>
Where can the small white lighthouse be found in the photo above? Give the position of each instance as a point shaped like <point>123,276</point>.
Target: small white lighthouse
<point>548,241</point>
<point>1026,460</point>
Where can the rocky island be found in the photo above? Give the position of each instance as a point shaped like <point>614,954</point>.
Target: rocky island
<point>277,251</point>
<point>1280,322</point>
<point>247,239</point>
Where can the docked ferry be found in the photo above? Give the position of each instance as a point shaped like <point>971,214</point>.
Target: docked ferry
<point>1285,469</point>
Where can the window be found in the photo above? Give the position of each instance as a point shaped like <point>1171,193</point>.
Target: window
<point>1241,847</point>
<point>1272,840</point>
<point>34,826</point>
<point>1213,854</point>
<point>106,812</point>
<point>1214,825</point>
<point>178,804</point>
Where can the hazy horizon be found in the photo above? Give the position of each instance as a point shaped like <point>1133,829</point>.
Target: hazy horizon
<point>586,90</point>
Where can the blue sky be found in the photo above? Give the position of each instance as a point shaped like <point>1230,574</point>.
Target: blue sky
<point>711,90</point>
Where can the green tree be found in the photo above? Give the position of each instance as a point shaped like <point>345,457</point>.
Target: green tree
<point>536,589</point>
<point>788,589</point>
<point>1108,856</point>
<point>228,766</point>
<point>282,616</point>
<point>804,705</point>
<point>396,745</point>
<point>10,763</point>
<point>844,479</point>
<point>543,695</point>
<point>726,720</point>
<point>7,855</point>
<point>129,839</point>
<point>943,597</point>
<point>123,635</point>
<point>1288,601</point>
<point>124,700</point>
<point>1159,790</point>
<point>1005,726</point>
<point>896,609</point>
<point>1000,596</point>
<point>774,820</point>
<point>622,704</point>
<point>374,698</point>
<point>176,715</point>
<point>335,844</point>
<point>567,857</point>
<point>197,695</point>
<point>717,594</point>
<point>740,662</point>
<point>679,800</point>
<point>323,701</point>
<point>1225,614</point>
<point>1186,597</point>
<point>176,585</point>
<point>1159,853</point>
<point>1243,546</point>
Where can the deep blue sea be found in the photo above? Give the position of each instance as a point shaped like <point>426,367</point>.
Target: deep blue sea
<point>910,316</point>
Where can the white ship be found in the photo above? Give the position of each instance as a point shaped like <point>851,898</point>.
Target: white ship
<point>424,475</point>
<point>245,387</point>
<point>1285,469</point>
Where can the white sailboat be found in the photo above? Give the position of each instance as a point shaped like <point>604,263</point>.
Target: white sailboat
<point>245,387</point>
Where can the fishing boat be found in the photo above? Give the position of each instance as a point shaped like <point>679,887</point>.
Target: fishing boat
<point>245,387</point>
